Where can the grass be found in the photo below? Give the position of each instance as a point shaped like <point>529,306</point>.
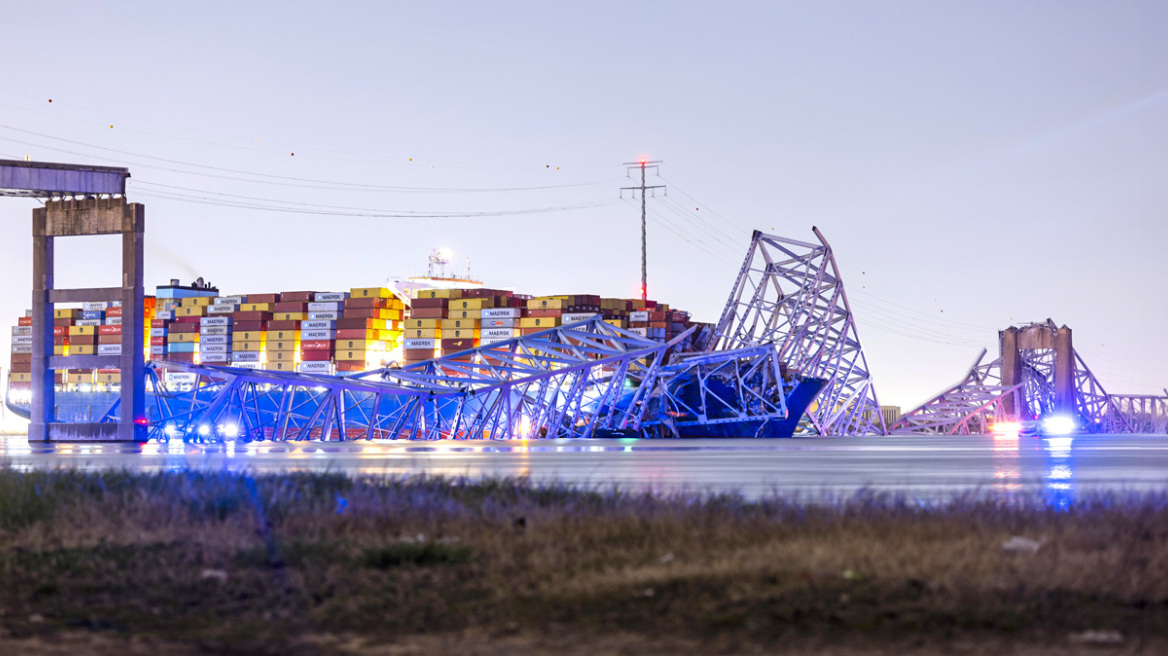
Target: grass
<point>231,563</point>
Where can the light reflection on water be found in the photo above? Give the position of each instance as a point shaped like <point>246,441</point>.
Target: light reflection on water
<point>1054,470</point>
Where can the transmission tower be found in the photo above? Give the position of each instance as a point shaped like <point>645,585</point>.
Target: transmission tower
<point>642,165</point>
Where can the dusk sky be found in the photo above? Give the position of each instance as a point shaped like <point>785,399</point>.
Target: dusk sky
<point>974,164</point>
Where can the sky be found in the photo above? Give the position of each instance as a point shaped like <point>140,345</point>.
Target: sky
<point>973,164</point>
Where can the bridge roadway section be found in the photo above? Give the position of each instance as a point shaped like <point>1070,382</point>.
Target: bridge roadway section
<point>1057,469</point>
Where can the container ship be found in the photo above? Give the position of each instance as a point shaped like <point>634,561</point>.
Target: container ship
<point>327,333</point>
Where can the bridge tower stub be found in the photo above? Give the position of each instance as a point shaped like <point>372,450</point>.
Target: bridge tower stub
<point>77,218</point>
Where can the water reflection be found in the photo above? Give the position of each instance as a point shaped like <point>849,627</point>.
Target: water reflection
<point>1007,464</point>
<point>1059,479</point>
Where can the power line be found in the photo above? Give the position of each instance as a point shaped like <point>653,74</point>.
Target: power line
<point>290,180</point>
<point>643,164</point>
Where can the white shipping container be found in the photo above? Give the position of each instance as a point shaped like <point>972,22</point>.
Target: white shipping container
<point>181,378</point>
<point>215,321</point>
<point>499,333</point>
<point>245,356</point>
<point>578,316</point>
<point>113,321</point>
<point>220,309</point>
<point>314,316</point>
<point>109,349</point>
<point>501,313</point>
<point>158,332</point>
<point>94,307</point>
<point>165,315</point>
<point>316,334</point>
<point>22,330</point>
<point>246,365</point>
<point>420,343</point>
<point>215,339</point>
<point>316,367</point>
<point>230,300</point>
<point>211,356</point>
<point>115,304</point>
<point>487,341</point>
<point>639,316</point>
<point>318,325</point>
<point>88,322</point>
<point>643,332</point>
<point>499,323</point>
<point>215,330</point>
<point>214,348</point>
<point>22,348</point>
<point>330,297</point>
<point>324,307</point>
<point>157,350</point>
<point>22,339</point>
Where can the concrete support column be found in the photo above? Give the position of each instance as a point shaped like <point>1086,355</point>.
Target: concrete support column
<point>1011,369</point>
<point>43,412</point>
<point>1064,372</point>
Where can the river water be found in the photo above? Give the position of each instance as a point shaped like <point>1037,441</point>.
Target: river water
<point>1056,468</point>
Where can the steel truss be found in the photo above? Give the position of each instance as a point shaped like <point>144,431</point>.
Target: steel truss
<point>740,386</point>
<point>970,407</point>
<point>979,400</point>
<point>567,381</point>
<point>790,294</point>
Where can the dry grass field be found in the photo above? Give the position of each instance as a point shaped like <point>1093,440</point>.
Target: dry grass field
<point>126,563</point>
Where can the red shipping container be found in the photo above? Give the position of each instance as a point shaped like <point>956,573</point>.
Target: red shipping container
<point>251,316</point>
<point>109,330</point>
<point>249,325</point>
<point>60,340</point>
<point>544,313</point>
<point>109,339</point>
<point>352,333</point>
<point>158,341</point>
<point>184,327</point>
<point>420,313</point>
<point>187,358</point>
<point>417,355</point>
<point>426,303</point>
<point>82,340</point>
<point>284,306</point>
<point>21,367</point>
<point>283,325</point>
<point>316,345</point>
<point>377,303</point>
<point>113,312</point>
<point>294,297</point>
<point>60,330</point>
<point>194,320</point>
<point>368,313</point>
<point>21,358</point>
<point>350,365</point>
<point>351,322</point>
<point>316,356</point>
<point>24,321</point>
<point>62,322</point>
<point>159,323</point>
<point>262,298</point>
<point>454,345</point>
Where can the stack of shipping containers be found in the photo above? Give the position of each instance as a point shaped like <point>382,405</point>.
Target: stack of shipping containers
<point>323,332</point>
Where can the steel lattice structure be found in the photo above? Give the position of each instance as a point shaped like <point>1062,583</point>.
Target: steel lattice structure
<point>790,294</point>
<point>979,400</point>
<point>562,382</point>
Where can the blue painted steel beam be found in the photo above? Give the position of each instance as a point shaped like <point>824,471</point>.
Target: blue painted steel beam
<point>49,180</point>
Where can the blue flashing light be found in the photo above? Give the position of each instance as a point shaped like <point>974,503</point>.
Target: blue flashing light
<point>1058,425</point>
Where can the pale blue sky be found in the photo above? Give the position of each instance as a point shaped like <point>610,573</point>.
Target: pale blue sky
<point>973,164</point>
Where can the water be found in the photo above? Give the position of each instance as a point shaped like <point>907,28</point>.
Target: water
<point>1057,468</point>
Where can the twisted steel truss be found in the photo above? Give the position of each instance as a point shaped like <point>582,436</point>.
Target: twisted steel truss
<point>790,294</point>
<point>567,381</point>
<point>979,400</point>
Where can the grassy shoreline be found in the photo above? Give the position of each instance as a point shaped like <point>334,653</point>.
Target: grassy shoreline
<point>293,563</point>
